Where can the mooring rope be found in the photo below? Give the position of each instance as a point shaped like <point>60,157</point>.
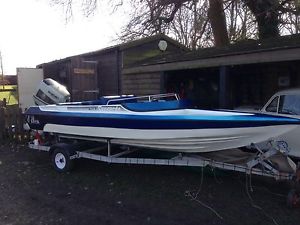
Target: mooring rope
<point>194,197</point>
<point>252,201</point>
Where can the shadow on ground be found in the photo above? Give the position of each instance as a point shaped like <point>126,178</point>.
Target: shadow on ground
<point>98,193</point>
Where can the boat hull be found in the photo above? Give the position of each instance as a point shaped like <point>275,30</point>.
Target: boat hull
<point>179,130</point>
<point>195,140</point>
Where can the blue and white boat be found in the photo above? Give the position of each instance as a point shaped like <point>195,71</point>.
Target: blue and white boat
<point>158,122</point>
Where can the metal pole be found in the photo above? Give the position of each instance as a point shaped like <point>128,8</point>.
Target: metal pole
<point>2,70</point>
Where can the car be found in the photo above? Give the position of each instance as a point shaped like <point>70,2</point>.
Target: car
<point>287,103</point>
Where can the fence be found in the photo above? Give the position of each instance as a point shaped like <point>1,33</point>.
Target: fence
<point>11,124</point>
<point>9,94</point>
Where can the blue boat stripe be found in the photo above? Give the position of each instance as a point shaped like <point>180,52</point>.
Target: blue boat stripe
<point>246,117</point>
<point>155,122</point>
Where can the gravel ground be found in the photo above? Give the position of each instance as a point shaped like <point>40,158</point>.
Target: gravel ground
<point>98,193</point>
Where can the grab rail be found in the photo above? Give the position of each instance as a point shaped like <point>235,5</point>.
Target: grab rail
<point>150,98</point>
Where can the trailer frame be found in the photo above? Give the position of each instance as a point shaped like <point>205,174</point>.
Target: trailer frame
<point>182,159</point>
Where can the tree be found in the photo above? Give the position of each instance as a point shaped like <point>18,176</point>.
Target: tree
<point>290,21</point>
<point>161,16</point>
<point>194,22</point>
<point>88,7</point>
<point>189,26</point>
<point>267,16</point>
<point>217,20</point>
<point>241,22</point>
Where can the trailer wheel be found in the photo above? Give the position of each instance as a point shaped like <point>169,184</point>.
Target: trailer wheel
<point>293,199</point>
<point>60,159</point>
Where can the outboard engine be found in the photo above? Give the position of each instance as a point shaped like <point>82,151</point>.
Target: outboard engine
<point>50,91</point>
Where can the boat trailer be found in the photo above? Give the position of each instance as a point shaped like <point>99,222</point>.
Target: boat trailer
<point>272,162</point>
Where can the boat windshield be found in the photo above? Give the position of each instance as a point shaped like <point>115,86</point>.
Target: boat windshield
<point>124,99</point>
<point>147,98</point>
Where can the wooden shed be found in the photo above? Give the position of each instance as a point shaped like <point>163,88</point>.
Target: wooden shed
<point>90,75</point>
<point>8,80</point>
<point>241,74</point>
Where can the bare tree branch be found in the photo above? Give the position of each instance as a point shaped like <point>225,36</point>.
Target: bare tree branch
<point>188,21</point>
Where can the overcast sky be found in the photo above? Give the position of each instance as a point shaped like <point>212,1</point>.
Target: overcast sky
<point>33,32</point>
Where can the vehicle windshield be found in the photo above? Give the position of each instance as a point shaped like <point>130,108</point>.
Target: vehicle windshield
<point>289,104</point>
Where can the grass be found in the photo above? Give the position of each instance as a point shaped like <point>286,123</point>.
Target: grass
<point>11,94</point>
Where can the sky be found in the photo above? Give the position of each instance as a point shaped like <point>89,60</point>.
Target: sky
<point>34,32</point>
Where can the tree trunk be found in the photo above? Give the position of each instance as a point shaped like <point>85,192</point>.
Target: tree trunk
<point>266,14</point>
<point>217,20</point>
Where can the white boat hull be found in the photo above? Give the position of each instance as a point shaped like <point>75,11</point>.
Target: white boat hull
<point>192,140</point>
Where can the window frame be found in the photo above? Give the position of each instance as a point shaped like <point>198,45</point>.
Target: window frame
<point>270,102</point>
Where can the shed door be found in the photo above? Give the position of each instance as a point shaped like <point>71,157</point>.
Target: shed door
<point>84,80</point>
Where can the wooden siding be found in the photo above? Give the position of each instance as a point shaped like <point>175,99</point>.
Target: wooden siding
<point>59,72</point>
<point>83,78</point>
<point>109,64</point>
<point>108,75</point>
<point>141,84</point>
<point>106,71</point>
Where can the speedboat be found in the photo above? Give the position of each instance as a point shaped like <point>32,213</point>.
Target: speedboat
<point>162,122</point>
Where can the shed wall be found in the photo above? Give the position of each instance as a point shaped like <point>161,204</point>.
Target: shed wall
<point>83,79</point>
<point>108,72</point>
<point>141,84</point>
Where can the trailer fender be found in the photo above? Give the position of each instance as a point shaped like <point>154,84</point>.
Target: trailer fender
<point>65,146</point>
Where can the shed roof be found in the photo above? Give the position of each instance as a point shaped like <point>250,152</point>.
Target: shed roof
<point>283,48</point>
<point>124,46</point>
<point>8,80</point>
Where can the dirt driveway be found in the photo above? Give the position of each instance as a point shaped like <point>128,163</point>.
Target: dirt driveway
<point>31,192</point>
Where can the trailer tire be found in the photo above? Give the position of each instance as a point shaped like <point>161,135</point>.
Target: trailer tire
<point>60,159</point>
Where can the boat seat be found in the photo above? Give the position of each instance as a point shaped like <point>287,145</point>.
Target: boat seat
<point>157,105</point>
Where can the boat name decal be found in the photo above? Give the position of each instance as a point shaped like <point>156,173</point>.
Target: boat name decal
<point>32,120</point>
<point>111,108</point>
<point>82,108</point>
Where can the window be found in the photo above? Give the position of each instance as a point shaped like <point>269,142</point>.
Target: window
<point>289,104</point>
<point>272,107</point>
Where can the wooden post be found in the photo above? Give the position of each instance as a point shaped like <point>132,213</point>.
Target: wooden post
<point>224,90</point>
<point>8,118</point>
<point>15,122</point>
<point>20,125</point>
